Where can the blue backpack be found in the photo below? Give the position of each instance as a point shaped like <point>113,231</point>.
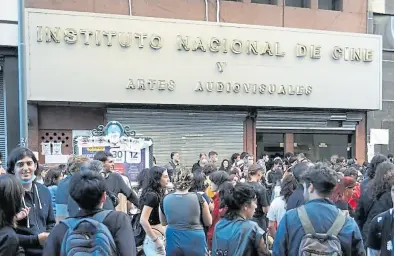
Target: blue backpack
<point>88,237</point>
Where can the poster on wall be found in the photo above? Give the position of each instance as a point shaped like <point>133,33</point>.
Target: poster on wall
<point>131,154</point>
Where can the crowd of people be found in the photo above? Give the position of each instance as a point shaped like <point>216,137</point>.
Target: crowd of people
<point>287,206</point>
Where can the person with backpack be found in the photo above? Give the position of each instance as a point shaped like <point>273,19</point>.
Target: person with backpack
<point>318,227</point>
<point>235,233</point>
<point>93,231</point>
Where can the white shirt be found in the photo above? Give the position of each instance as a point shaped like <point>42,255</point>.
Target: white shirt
<point>277,210</point>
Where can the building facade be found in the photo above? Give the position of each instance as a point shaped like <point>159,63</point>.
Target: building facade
<point>9,122</point>
<point>383,24</point>
<point>245,76</point>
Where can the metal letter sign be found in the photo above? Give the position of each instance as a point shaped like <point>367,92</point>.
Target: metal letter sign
<point>131,154</point>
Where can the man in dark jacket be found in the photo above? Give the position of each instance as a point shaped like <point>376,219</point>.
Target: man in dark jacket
<point>88,189</point>
<point>197,165</point>
<point>33,229</point>
<point>173,164</point>
<point>318,182</point>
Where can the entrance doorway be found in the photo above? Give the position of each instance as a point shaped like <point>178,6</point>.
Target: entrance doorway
<point>271,143</point>
<point>320,146</point>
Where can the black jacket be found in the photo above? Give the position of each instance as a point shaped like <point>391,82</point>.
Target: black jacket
<point>296,199</point>
<point>196,166</point>
<point>9,243</point>
<point>41,219</point>
<point>118,223</point>
<point>368,208</point>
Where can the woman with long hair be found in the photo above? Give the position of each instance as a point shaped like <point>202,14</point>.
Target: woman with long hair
<point>11,194</point>
<point>371,170</point>
<point>234,159</point>
<point>343,191</point>
<point>51,181</point>
<point>377,197</point>
<point>153,190</point>
<point>225,165</point>
<point>279,205</point>
<point>185,226</point>
<point>219,181</point>
<point>33,230</point>
<point>235,234</point>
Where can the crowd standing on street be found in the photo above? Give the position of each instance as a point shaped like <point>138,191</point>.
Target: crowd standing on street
<point>277,205</point>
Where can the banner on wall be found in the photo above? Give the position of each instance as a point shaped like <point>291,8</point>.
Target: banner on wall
<point>131,154</point>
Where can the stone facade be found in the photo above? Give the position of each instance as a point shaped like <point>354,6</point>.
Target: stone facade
<point>48,119</point>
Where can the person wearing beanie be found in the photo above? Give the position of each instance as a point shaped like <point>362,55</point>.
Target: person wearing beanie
<point>344,190</point>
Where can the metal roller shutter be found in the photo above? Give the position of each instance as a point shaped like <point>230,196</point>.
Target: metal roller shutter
<point>308,120</point>
<point>186,132</point>
<point>3,124</point>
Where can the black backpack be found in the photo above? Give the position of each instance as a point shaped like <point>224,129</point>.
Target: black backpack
<point>88,236</point>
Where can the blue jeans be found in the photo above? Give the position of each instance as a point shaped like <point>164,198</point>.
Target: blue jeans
<point>185,242</point>
<point>150,249</point>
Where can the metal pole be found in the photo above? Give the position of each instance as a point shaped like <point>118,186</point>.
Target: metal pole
<point>23,118</point>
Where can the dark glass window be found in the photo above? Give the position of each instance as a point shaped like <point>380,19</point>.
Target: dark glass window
<point>272,2</point>
<point>319,147</point>
<point>333,5</point>
<point>271,143</point>
<point>298,3</point>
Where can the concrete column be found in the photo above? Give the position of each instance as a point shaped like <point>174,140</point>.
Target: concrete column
<point>289,142</point>
<point>360,141</point>
<point>32,110</point>
<point>314,4</point>
<point>250,136</point>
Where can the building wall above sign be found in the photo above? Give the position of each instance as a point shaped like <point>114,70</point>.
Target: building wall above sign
<point>120,59</point>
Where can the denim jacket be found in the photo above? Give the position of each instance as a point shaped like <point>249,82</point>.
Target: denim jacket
<point>322,214</point>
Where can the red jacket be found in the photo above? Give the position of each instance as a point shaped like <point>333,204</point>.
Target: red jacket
<point>216,214</point>
<point>353,200</point>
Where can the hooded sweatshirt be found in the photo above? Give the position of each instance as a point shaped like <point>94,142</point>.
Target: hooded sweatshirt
<point>41,219</point>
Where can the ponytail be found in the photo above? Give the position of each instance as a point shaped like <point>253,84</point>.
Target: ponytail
<point>234,197</point>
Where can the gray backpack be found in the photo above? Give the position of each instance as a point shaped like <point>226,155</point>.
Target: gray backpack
<point>316,244</point>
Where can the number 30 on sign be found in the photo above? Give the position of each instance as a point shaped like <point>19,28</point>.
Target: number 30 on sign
<point>125,156</point>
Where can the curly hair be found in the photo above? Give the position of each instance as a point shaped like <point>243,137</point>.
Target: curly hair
<point>75,163</point>
<point>151,183</point>
<point>382,183</point>
<point>183,179</point>
<point>288,186</point>
<point>234,197</point>
<point>323,178</point>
